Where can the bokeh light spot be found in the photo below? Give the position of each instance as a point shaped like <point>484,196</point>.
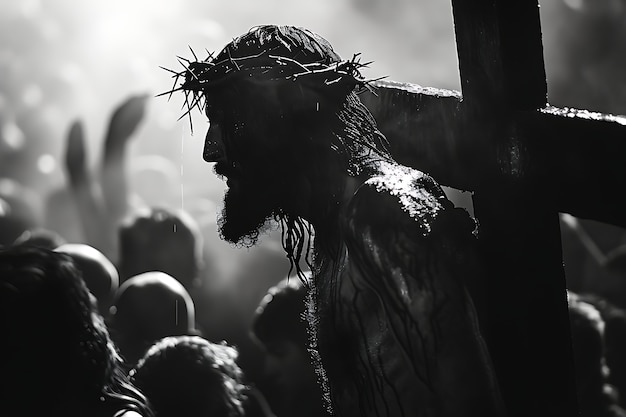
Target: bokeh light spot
<point>46,164</point>
<point>12,136</point>
<point>32,95</point>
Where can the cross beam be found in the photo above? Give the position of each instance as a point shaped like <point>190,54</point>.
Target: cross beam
<point>525,162</point>
<point>582,152</point>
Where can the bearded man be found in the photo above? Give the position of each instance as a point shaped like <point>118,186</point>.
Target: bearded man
<point>393,327</point>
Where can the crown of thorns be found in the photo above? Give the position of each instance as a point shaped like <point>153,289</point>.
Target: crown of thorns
<point>200,76</point>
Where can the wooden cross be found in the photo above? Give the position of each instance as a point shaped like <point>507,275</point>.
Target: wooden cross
<point>525,162</point>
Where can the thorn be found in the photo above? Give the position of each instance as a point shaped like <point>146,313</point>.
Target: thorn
<point>188,70</point>
<point>231,58</point>
<point>193,53</point>
<point>169,70</point>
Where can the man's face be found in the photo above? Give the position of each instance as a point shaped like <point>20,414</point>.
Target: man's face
<point>253,164</point>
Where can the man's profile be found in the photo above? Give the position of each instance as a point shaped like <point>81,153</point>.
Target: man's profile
<point>393,328</point>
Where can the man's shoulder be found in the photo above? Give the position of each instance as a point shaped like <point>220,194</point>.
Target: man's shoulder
<point>402,197</point>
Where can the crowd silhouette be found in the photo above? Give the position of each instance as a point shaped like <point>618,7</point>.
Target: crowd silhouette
<point>111,303</point>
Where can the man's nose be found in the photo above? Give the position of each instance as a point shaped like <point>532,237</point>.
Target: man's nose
<point>214,145</point>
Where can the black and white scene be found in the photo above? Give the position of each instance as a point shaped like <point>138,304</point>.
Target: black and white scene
<point>350,208</point>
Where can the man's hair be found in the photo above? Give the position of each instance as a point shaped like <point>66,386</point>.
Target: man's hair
<point>280,315</point>
<point>190,376</point>
<point>53,339</point>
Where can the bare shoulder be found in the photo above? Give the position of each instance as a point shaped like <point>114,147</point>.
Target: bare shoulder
<point>402,211</point>
<point>400,197</point>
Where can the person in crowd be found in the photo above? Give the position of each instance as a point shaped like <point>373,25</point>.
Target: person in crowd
<point>280,327</point>
<point>614,319</point>
<point>190,376</point>
<point>395,329</point>
<point>56,356</point>
<point>98,272</point>
<point>161,239</point>
<point>146,308</point>
<point>593,390</point>
<point>90,207</point>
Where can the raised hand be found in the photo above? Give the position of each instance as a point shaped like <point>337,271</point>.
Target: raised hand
<point>75,155</point>
<point>124,122</point>
<point>113,171</point>
<point>87,193</point>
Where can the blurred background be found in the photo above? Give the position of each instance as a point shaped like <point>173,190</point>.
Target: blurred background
<point>67,60</point>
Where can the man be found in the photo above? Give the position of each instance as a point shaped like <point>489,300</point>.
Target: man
<point>393,327</point>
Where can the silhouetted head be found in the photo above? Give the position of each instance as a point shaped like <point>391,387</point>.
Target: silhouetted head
<point>587,328</point>
<point>56,354</point>
<point>614,341</point>
<point>280,315</point>
<point>280,327</point>
<point>285,124</point>
<point>97,270</point>
<point>146,308</point>
<point>190,376</point>
<point>160,239</point>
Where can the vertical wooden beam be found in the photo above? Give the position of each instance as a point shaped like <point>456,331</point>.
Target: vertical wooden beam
<point>527,324</point>
<point>500,53</point>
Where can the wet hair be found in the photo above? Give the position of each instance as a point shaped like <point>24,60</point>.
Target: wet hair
<point>161,239</point>
<point>275,71</point>
<point>281,314</point>
<point>57,356</point>
<point>190,376</point>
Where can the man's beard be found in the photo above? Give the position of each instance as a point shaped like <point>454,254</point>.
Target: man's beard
<point>246,215</point>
